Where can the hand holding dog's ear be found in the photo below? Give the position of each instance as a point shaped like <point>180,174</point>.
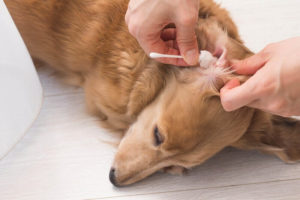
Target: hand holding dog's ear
<point>147,21</point>
<point>275,84</point>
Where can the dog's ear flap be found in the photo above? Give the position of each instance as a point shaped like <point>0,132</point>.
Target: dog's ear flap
<point>226,47</point>
<point>149,84</point>
<point>213,38</point>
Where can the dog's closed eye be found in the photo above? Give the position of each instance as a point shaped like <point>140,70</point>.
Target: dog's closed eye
<point>158,138</point>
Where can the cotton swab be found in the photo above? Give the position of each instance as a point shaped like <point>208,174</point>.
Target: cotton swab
<point>205,57</point>
<point>159,55</point>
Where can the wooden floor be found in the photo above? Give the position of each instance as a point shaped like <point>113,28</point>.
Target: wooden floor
<point>66,154</point>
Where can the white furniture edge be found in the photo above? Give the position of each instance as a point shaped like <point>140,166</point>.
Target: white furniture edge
<point>18,56</point>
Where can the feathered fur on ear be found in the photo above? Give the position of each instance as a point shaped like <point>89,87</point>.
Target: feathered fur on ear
<point>274,135</point>
<point>213,38</point>
<point>149,84</point>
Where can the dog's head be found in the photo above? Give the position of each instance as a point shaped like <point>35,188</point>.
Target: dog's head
<point>185,124</point>
<point>183,127</point>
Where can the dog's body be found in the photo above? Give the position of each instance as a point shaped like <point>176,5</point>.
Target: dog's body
<point>172,116</point>
<point>88,42</point>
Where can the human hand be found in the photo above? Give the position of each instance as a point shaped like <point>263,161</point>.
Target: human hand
<point>275,84</point>
<point>147,21</point>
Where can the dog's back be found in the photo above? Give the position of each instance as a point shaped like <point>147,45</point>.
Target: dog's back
<point>72,36</point>
<point>88,42</point>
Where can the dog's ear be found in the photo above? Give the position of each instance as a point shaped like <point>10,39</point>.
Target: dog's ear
<point>268,133</point>
<point>285,133</point>
<point>214,38</point>
<point>148,85</point>
<point>211,10</point>
<point>226,47</point>
<point>273,134</point>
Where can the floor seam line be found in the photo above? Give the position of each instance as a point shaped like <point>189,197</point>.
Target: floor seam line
<point>194,189</point>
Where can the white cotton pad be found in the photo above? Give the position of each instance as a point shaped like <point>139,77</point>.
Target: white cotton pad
<point>205,58</point>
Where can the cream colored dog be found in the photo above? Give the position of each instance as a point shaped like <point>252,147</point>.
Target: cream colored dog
<point>171,116</point>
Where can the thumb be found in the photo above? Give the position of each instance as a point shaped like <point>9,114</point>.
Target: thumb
<point>234,95</point>
<point>187,43</point>
<point>250,65</point>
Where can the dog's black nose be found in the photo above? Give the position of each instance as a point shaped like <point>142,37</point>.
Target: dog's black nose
<point>112,176</point>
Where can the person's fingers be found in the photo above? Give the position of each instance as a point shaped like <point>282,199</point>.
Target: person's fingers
<point>169,37</point>
<point>261,105</point>
<point>250,65</point>
<point>163,48</point>
<point>187,43</point>
<point>172,44</point>
<point>168,34</point>
<point>232,84</point>
<point>173,61</point>
<point>234,95</point>
<point>276,106</point>
<point>154,43</point>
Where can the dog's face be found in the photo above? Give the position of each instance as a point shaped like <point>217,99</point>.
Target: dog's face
<point>183,127</point>
<point>185,124</point>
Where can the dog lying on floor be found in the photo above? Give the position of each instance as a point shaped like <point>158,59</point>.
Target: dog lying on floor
<point>171,117</point>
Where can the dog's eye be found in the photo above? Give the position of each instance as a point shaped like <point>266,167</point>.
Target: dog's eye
<point>157,136</point>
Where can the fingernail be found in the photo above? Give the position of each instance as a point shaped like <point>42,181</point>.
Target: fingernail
<point>232,84</point>
<point>191,57</point>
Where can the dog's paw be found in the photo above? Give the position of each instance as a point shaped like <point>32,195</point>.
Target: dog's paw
<point>175,170</point>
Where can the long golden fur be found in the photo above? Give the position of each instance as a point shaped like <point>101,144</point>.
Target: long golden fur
<point>171,117</point>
